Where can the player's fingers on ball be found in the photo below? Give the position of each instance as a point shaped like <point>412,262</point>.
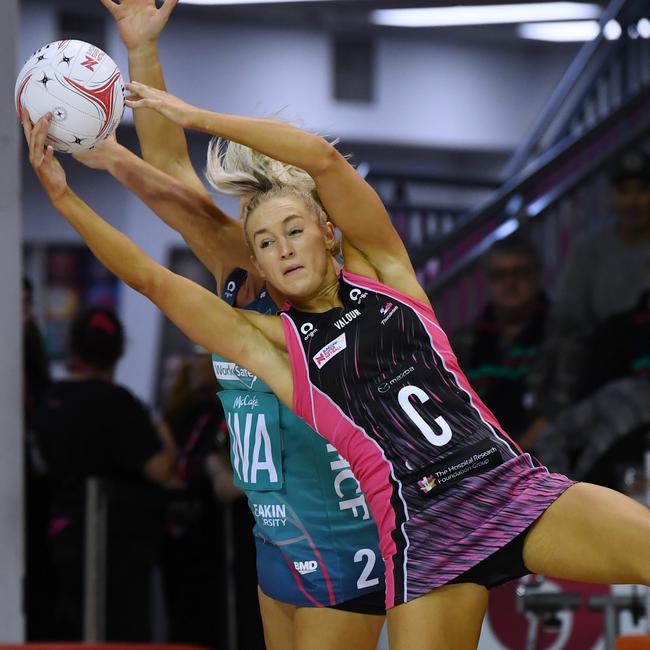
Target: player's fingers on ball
<point>27,128</point>
<point>134,87</point>
<point>49,153</point>
<point>32,140</point>
<point>27,120</point>
<point>138,103</point>
<point>39,135</point>
<point>168,7</point>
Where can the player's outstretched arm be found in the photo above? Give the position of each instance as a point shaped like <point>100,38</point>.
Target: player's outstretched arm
<point>214,238</point>
<point>162,142</point>
<point>203,317</point>
<point>350,202</point>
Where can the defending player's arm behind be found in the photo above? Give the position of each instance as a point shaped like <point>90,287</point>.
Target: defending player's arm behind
<point>163,143</point>
<point>215,238</point>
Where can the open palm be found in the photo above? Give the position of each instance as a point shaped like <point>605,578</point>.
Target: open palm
<point>139,21</point>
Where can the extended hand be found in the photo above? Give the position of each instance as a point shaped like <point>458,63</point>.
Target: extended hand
<point>139,21</point>
<point>41,156</point>
<point>101,155</point>
<point>174,109</point>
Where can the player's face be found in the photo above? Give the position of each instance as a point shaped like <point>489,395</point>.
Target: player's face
<point>290,247</point>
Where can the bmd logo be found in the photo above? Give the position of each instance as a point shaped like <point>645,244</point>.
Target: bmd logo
<point>303,568</point>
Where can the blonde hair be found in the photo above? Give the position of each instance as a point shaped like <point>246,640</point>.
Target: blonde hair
<point>238,170</point>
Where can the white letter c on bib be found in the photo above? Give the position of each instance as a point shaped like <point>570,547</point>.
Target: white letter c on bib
<point>437,439</point>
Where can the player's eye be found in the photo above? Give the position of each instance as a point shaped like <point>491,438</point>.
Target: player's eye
<point>265,243</point>
<point>295,231</point>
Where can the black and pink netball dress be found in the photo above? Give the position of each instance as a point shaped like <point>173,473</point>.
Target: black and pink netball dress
<point>446,486</point>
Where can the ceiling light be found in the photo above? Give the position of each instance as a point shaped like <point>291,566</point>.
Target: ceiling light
<point>564,32</point>
<point>612,30</point>
<point>643,26</point>
<point>485,14</point>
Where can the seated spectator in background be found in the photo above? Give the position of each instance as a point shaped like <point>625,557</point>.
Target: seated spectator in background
<point>87,427</point>
<point>608,426</point>
<point>604,275</point>
<point>499,351</point>
<point>209,553</point>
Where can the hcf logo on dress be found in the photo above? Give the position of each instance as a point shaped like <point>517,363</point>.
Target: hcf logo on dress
<point>330,350</point>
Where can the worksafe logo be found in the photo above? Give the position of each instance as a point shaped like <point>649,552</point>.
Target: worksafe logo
<point>226,371</point>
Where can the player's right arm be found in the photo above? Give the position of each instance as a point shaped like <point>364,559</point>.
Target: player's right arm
<point>163,143</point>
<point>202,316</point>
<point>216,239</point>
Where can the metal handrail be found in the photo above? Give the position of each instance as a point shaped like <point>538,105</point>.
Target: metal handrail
<point>637,119</point>
<point>429,178</point>
<point>95,556</point>
<point>563,90</point>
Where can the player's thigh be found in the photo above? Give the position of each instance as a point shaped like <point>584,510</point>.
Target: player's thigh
<point>278,621</point>
<point>324,628</point>
<point>592,534</point>
<point>448,617</point>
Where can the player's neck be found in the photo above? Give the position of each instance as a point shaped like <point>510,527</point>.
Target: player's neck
<point>325,298</point>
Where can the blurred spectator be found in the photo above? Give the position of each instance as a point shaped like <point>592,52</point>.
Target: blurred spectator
<point>605,275</point>
<point>86,427</point>
<point>606,428</point>
<point>499,351</point>
<point>36,379</point>
<point>209,550</point>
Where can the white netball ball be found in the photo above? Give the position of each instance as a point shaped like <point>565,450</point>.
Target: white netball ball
<point>80,85</point>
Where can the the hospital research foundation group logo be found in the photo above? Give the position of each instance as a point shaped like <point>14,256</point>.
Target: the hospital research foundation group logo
<point>329,351</point>
<point>427,483</point>
<point>226,371</point>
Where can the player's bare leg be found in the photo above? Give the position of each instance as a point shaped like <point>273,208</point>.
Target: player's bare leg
<point>448,617</point>
<point>592,534</point>
<point>333,629</point>
<point>277,618</point>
